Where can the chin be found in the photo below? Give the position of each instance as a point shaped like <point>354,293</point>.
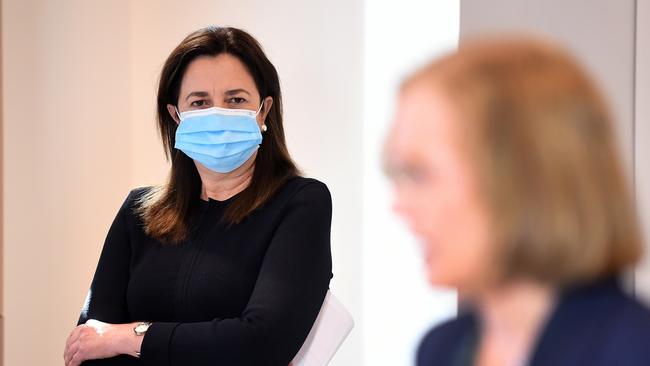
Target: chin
<point>438,279</point>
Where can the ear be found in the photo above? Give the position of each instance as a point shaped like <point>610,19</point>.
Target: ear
<point>172,112</point>
<point>268,102</point>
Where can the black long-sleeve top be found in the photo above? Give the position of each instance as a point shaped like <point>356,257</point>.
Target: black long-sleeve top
<point>244,294</point>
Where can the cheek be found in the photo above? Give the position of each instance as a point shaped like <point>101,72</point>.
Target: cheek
<point>420,207</point>
<point>457,242</point>
<point>438,210</point>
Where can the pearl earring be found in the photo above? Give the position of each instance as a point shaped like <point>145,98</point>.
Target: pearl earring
<point>264,128</point>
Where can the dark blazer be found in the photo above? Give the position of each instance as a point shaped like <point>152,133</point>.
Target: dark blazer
<point>595,325</point>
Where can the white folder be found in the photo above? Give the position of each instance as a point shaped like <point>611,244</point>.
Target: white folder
<point>330,329</point>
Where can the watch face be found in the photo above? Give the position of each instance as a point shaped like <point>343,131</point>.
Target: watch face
<point>141,328</point>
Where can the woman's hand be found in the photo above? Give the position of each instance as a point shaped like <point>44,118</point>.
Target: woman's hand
<point>95,339</point>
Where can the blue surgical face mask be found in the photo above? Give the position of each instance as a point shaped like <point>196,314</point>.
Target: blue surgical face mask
<point>220,139</point>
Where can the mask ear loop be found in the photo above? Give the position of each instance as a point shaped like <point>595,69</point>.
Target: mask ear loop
<point>177,113</point>
<point>264,128</point>
<point>260,108</point>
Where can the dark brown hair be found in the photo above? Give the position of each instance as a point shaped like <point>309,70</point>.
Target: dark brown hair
<point>540,140</point>
<point>167,210</point>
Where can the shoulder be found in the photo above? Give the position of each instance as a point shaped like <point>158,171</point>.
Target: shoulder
<point>301,189</point>
<point>299,201</point>
<point>628,329</point>
<point>137,193</point>
<point>298,184</point>
<point>444,344</point>
<point>606,299</point>
<point>598,321</point>
<point>134,199</point>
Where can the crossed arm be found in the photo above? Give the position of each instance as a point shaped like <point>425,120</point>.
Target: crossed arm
<point>95,340</point>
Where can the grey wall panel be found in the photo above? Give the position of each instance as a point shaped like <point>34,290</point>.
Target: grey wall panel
<point>599,32</point>
<point>642,137</point>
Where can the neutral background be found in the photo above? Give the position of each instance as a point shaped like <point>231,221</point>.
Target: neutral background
<point>78,90</point>
<point>398,304</point>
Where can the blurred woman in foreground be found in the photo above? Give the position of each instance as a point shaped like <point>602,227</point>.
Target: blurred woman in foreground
<point>506,167</point>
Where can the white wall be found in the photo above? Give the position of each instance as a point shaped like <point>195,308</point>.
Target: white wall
<point>79,83</point>
<point>398,304</point>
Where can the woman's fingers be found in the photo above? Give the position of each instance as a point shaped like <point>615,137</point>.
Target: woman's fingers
<point>74,335</point>
<point>77,359</point>
<point>92,340</point>
<point>74,353</point>
<point>70,353</point>
<point>67,355</point>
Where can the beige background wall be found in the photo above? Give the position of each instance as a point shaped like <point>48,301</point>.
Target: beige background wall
<point>66,152</point>
<point>79,133</point>
<point>610,40</point>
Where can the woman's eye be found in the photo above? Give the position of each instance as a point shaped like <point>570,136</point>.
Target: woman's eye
<point>236,100</point>
<point>413,175</point>
<point>198,103</point>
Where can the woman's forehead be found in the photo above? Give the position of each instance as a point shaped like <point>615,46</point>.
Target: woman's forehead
<point>424,113</point>
<point>217,75</point>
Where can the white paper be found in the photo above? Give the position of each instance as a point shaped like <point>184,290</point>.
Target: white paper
<point>330,329</point>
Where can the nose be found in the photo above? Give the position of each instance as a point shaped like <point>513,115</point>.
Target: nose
<point>219,102</point>
<point>399,205</point>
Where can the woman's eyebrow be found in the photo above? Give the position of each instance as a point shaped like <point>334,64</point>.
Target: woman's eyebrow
<point>201,94</point>
<point>236,91</point>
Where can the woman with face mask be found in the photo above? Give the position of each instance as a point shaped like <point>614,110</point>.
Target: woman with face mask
<point>506,167</point>
<point>228,262</point>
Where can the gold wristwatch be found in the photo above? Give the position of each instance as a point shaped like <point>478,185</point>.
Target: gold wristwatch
<point>140,329</point>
